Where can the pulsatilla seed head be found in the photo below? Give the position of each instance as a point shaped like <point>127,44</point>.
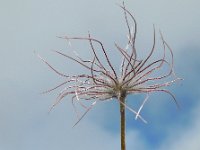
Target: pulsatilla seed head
<point>103,83</point>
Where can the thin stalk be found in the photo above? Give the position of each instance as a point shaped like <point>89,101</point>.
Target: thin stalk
<point>123,122</point>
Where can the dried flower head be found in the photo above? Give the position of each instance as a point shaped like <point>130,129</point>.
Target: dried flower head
<point>104,83</point>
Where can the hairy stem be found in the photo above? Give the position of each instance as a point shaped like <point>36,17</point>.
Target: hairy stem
<point>123,122</point>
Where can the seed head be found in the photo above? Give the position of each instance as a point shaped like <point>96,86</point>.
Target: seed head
<point>102,83</point>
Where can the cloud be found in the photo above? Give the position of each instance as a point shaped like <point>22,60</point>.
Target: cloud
<point>185,138</point>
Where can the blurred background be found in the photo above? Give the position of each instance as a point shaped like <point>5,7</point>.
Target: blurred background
<point>29,26</point>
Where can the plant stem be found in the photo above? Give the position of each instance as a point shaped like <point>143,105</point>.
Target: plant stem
<point>123,122</point>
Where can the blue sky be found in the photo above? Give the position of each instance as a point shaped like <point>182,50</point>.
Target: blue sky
<point>32,25</point>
